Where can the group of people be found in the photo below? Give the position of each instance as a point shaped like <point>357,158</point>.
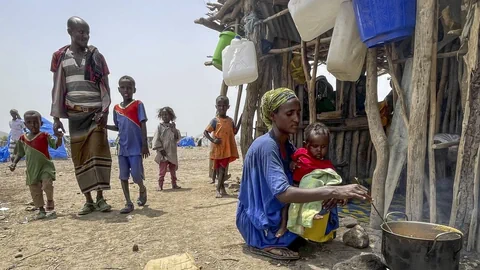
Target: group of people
<point>273,169</point>
<point>81,94</point>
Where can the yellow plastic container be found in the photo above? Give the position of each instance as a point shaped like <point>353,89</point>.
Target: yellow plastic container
<point>317,232</point>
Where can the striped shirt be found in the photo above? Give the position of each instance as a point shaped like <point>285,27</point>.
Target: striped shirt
<point>80,92</point>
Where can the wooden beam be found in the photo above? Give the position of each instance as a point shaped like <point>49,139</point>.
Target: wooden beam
<point>438,146</point>
<point>379,139</point>
<point>296,47</point>
<point>431,123</point>
<point>276,2</point>
<point>439,56</point>
<point>212,25</point>
<point>417,137</point>
<point>329,115</point>
<point>281,13</point>
<point>223,10</point>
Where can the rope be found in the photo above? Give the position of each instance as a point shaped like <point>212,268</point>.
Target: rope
<point>251,21</point>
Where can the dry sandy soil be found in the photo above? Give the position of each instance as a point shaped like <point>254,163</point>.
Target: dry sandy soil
<point>188,220</point>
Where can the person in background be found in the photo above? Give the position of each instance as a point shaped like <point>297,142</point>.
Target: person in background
<point>165,143</point>
<point>17,128</point>
<point>130,121</point>
<point>40,169</point>
<point>81,94</point>
<point>224,147</point>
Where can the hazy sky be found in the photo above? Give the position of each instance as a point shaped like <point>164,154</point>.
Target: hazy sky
<point>156,42</point>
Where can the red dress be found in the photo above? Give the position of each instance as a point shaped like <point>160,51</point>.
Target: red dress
<point>306,164</point>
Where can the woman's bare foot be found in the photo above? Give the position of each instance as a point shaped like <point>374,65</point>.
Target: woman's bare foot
<point>223,191</point>
<point>219,194</point>
<point>159,188</point>
<point>317,216</point>
<point>282,253</point>
<point>281,232</point>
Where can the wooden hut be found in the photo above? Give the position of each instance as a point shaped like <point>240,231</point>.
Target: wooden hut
<point>433,121</point>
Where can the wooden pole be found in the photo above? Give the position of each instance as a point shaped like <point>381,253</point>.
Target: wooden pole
<point>311,79</point>
<point>463,186</point>
<point>223,89</point>
<point>439,56</point>
<point>296,47</point>
<point>417,139</point>
<point>379,139</point>
<point>281,13</point>
<point>474,220</point>
<point>237,105</point>
<point>396,85</point>
<point>433,116</point>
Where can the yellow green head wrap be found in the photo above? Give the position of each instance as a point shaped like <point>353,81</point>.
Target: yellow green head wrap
<point>272,100</point>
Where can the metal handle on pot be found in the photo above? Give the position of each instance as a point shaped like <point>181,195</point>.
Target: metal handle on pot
<point>443,234</point>
<point>391,213</point>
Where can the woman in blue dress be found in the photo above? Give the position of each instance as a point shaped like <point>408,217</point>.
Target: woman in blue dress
<point>267,180</point>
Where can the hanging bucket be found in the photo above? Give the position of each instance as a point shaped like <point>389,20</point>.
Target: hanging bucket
<point>225,39</point>
<point>384,21</point>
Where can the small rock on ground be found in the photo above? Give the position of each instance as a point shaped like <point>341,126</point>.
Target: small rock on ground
<point>135,248</point>
<point>349,222</point>
<point>18,255</point>
<point>356,237</point>
<point>364,261</point>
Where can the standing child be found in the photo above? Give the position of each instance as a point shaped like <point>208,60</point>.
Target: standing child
<point>165,143</point>
<point>40,169</point>
<point>130,121</point>
<point>17,127</point>
<point>224,148</point>
<point>307,159</point>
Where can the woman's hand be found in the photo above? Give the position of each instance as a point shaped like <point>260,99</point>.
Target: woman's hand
<point>331,203</point>
<point>353,191</point>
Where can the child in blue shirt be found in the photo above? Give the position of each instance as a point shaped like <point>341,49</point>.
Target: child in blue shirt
<point>130,121</point>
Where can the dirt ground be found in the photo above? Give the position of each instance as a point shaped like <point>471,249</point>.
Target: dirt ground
<point>188,220</point>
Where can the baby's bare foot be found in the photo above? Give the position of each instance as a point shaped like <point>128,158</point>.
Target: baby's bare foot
<point>317,216</point>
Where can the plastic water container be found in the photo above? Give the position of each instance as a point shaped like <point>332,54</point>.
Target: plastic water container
<point>317,232</point>
<point>224,40</point>
<point>383,21</point>
<point>347,52</point>
<point>313,17</point>
<point>239,62</point>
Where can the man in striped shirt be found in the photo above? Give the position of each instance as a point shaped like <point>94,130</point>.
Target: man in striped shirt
<point>82,95</point>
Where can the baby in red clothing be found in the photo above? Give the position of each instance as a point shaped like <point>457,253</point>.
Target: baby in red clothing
<point>307,159</point>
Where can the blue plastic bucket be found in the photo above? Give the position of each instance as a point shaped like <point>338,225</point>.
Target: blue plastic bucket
<point>384,21</point>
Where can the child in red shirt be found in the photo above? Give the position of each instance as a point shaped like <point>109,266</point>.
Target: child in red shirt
<point>307,159</point>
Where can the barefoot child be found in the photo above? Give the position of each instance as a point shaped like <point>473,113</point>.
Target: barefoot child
<point>165,143</point>
<point>307,159</point>
<point>224,148</point>
<point>130,121</point>
<point>40,169</point>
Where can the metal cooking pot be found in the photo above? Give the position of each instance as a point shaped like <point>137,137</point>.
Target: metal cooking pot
<point>420,245</point>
